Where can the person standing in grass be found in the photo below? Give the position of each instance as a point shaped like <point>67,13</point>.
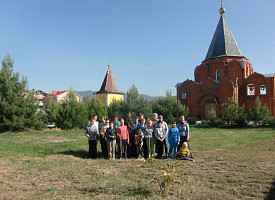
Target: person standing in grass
<point>111,140</point>
<point>165,129</point>
<point>159,136</point>
<point>132,145</point>
<point>92,133</point>
<point>123,136</point>
<point>149,137</point>
<point>183,127</point>
<point>103,141</point>
<point>139,142</point>
<point>173,139</point>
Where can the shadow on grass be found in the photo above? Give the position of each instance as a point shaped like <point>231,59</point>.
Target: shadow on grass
<point>271,193</point>
<point>125,191</point>
<point>79,154</point>
<point>140,191</point>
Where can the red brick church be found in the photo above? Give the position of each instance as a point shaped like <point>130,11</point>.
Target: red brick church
<point>224,73</point>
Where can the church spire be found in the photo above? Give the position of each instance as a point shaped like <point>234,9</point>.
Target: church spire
<point>222,9</point>
<point>223,42</point>
<point>109,84</point>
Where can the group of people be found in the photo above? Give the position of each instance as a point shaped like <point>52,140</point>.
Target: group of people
<point>139,137</point>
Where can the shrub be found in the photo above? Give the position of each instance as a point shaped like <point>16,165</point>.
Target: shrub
<point>259,114</point>
<point>192,120</point>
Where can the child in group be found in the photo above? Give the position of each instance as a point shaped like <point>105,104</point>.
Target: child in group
<point>139,141</point>
<point>173,139</point>
<point>159,134</point>
<point>111,140</point>
<point>132,137</point>
<point>184,153</point>
<point>142,125</point>
<point>150,141</point>
<point>116,122</point>
<point>92,133</point>
<point>137,124</point>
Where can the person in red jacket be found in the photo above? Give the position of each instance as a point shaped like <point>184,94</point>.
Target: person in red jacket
<point>123,137</point>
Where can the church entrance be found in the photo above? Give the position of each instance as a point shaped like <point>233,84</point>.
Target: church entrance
<point>209,105</point>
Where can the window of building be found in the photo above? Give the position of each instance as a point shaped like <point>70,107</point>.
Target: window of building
<point>250,89</point>
<point>262,90</point>
<point>183,95</point>
<point>218,75</point>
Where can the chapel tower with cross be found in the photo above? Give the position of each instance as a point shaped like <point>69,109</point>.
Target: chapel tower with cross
<point>224,73</point>
<point>109,92</point>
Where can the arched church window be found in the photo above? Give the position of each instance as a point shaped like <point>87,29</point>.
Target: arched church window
<point>218,75</point>
<point>250,89</point>
<point>183,95</point>
<point>262,90</point>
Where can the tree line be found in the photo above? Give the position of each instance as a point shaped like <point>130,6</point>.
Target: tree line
<point>19,108</point>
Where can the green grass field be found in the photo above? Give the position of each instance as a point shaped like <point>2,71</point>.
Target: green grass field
<point>230,164</point>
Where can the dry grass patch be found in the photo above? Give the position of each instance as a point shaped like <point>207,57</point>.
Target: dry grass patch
<point>225,168</point>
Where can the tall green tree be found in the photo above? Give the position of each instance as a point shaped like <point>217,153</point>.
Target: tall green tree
<point>259,114</point>
<point>18,107</point>
<point>51,110</point>
<point>133,102</point>
<point>71,113</point>
<point>170,108</point>
<point>233,113</point>
<point>117,108</point>
<point>95,107</point>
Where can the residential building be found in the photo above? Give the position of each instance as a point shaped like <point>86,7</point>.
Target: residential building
<point>59,96</point>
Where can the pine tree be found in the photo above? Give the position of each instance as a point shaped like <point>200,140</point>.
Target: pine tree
<point>259,114</point>
<point>51,110</point>
<point>71,113</point>
<point>234,114</point>
<point>97,108</point>
<point>169,107</point>
<point>18,107</point>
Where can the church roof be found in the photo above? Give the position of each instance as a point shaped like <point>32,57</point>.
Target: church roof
<point>269,75</point>
<point>109,84</point>
<point>223,42</point>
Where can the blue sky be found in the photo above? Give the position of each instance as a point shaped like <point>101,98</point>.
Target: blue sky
<point>154,44</point>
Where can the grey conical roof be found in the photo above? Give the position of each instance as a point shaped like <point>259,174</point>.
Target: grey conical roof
<point>223,42</point>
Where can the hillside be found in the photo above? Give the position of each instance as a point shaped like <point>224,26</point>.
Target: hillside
<point>90,94</point>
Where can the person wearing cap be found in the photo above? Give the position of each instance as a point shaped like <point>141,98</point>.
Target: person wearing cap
<point>165,129</point>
